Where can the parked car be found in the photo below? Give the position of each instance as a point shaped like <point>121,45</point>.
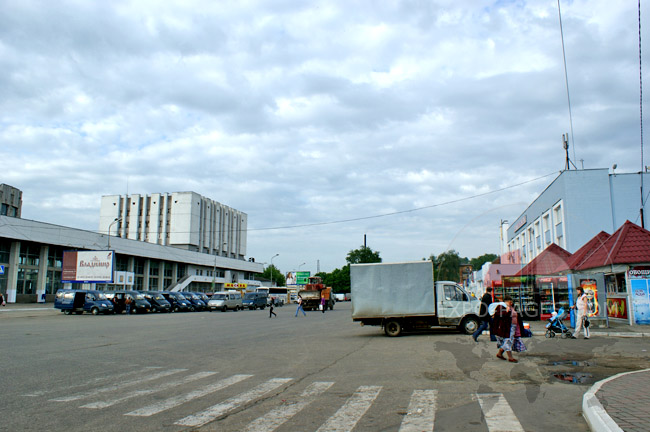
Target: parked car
<point>138,303</point>
<point>204,297</point>
<point>254,300</point>
<point>195,300</point>
<point>178,302</point>
<point>225,300</point>
<point>80,301</point>
<point>158,301</point>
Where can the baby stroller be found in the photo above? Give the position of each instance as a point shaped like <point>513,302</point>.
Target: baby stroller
<point>555,325</point>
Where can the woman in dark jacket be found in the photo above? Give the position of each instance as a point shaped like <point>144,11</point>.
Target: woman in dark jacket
<point>508,328</point>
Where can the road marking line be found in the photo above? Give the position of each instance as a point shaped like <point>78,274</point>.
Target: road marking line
<point>94,381</point>
<point>421,412</point>
<point>164,386</point>
<point>351,412</point>
<point>282,414</point>
<point>498,414</point>
<point>215,411</point>
<point>179,400</point>
<point>118,386</point>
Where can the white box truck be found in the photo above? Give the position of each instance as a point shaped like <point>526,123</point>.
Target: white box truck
<point>404,297</point>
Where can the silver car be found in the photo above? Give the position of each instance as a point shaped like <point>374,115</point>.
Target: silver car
<point>225,300</point>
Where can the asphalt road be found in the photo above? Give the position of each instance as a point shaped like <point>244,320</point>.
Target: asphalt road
<point>237,370</point>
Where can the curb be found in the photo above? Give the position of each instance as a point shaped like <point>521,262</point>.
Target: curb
<point>593,411</point>
<point>608,334</point>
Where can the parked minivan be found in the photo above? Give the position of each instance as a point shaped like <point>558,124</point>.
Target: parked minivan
<point>178,302</point>
<point>225,300</point>
<point>138,305</point>
<point>80,301</point>
<point>158,302</point>
<point>254,300</point>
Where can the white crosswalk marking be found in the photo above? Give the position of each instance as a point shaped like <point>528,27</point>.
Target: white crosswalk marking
<point>217,410</point>
<point>421,412</point>
<point>179,400</point>
<point>498,414</point>
<point>94,381</point>
<point>280,415</point>
<point>118,385</point>
<point>351,412</point>
<point>164,386</point>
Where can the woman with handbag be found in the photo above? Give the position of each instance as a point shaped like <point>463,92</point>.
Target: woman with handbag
<point>582,305</point>
<point>508,328</point>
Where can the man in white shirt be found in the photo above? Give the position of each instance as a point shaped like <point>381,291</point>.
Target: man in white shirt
<point>582,305</point>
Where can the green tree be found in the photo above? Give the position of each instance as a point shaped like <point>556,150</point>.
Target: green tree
<point>278,278</point>
<point>363,255</point>
<point>447,266</point>
<point>478,262</point>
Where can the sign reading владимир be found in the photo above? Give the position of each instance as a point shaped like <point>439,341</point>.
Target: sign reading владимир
<point>87,266</point>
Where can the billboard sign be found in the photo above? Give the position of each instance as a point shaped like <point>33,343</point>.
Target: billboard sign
<point>302,277</point>
<point>640,286</point>
<point>87,266</point>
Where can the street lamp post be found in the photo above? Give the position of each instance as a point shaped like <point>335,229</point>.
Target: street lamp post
<point>272,268</point>
<point>301,266</point>
<point>109,231</point>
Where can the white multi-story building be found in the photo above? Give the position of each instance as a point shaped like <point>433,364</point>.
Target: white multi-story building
<point>575,207</point>
<point>185,220</point>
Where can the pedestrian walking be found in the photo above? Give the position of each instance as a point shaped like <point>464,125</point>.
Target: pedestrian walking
<point>299,308</point>
<point>2,300</point>
<point>582,305</point>
<point>127,303</point>
<point>486,319</point>
<point>322,303</point>
<point>508,328</point>
<point>271,313</point>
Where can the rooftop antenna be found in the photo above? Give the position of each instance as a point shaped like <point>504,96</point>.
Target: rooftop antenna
<point>565,144</point>
<point>566,81</point>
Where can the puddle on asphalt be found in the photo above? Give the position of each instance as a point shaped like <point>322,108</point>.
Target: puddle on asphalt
<point>575,377</point>
<point>573,363</point>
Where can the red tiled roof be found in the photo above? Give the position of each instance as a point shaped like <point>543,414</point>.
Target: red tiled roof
<point>545,263</point>
<point>630,244</point>
<point>584,252</point>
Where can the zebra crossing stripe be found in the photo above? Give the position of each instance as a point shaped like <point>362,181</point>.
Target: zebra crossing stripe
<point>117,386</point>
<point>179,400</point>
<point>279,416</point>
<point>421,412</point>
<point>164,386</point>
<point>215,411</point>
<point>95,381</point>
<point>351,412</point>
<point>498,414</point>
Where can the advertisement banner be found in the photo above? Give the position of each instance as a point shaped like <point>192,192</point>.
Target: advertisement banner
<point>302,277</point>
<point>290,278</point>
<point>617,308</point>
<point>640,286</point>
<point>87,267</point>
<point>591,290</point>
<point>235,285</point>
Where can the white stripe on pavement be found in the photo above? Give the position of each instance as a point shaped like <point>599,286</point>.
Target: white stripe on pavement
<point>498,414</point>
<point>118,385</point>
<point>179,400</point>
<point>355,407</point>
<point>164,386</point>
<point>421,412</point>
<point>215,411</point>
<point>280,415</point>
<point>94,381</point>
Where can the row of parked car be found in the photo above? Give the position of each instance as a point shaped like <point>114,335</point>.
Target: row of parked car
<point>110,302</point>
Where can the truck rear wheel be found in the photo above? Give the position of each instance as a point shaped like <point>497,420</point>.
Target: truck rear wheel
<point>468,325</point>
<point>393,328</point>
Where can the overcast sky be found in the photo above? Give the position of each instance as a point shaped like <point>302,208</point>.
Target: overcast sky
<point>323,121</point>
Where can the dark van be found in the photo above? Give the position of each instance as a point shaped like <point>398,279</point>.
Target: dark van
<point>157,301</point>
<point>80,301</point>
<point>254,300</point>
<point>178,302</point>
<point>138,305</point>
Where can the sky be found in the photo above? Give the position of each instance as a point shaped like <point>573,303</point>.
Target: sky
<point>419,124</point>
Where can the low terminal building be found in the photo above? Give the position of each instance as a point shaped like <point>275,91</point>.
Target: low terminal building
<point>31,253</point>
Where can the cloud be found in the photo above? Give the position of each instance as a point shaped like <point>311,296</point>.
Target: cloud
<point>309,113</point>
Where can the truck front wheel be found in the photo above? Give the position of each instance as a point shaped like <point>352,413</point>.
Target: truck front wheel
<point>393,328</point>
<point>468,325</point>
